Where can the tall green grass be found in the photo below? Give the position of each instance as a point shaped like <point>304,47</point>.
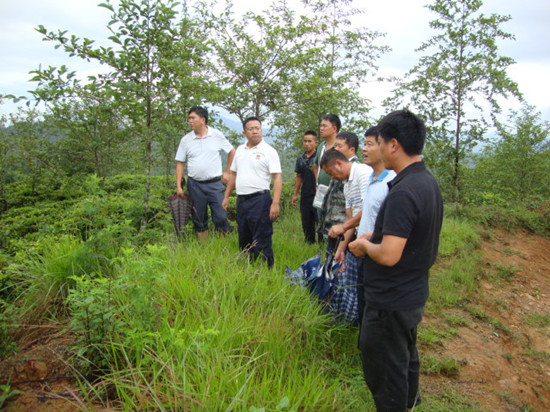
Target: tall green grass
<point>196,326</point>
<point>202,328</point>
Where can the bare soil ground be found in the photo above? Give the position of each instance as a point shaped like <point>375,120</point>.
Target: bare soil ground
<point>503,350</point>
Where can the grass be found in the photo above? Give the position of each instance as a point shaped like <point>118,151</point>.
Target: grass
<point>445,366</point>
<point>538,320</point>
<point>196,326</point>
<point>502,272</point>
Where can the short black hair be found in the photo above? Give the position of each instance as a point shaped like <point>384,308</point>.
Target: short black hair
<point>334,120</point>
<point>200,111</point>
<point>405,127</point>
<point>351,139</point>
<point>311,133</point>
<point>249,119</point>
<point>331,156</point>
<point>372,131</point>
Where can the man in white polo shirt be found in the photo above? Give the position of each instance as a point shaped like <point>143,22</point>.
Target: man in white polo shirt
<point>200,150</point>
<point>255,164</point>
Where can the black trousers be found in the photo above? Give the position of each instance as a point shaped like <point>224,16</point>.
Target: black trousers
<point>309,220</point>
<point>391,367</point>
<point>255,227</point>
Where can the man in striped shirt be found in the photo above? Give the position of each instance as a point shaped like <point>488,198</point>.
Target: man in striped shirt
<point>344,301</point>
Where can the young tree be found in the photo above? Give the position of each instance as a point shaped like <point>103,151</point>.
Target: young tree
<point>155,69</point>
<point>93,133</point>
<point>27,150</point>
<point>291,68</point>
<point>453,84</point>
<point>340,59</point>
<point>516,166</point>
<point>6,144</point>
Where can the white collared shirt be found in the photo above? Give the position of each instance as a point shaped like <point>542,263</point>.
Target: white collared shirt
<point>202,154</point>
<point>254,167</point>
<point>353,187</point>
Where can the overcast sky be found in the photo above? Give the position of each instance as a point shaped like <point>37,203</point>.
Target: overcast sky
<point>405,23</point>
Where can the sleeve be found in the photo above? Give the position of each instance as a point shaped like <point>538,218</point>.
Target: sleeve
<point>225,145</point>
<point>347,195</point>
<point>235,160</point>
<point>298,168</point>
<point>400,214</point>
<point>316,159</point>
<point>274,162</point>
<point>181,154</point>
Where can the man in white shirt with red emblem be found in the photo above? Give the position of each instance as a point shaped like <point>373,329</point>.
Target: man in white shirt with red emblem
<point>256,163</point>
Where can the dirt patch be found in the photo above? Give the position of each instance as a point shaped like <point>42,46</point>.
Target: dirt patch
<point>40,371</point>
<point>504,351</point>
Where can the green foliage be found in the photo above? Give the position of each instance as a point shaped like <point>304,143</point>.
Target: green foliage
<point>514,170</point>
<point>7,392</point>
<point>153,321</point>
<point>8,344</point>
<point>450,401</point>
<point>432,336</point>
<point>445,366</point>
<point>453,278</point>
<point>94,321</point>
<point>291,68</point>
<point>225,331</point>
<point>538,320</point>
<point>533,216</point>
<point>461,69</point>
<point>455,234</point>
<point>456,320</point>
<point>503,272</point>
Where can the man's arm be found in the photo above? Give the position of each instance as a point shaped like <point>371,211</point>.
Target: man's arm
<point>229,189</point>
<point>277,190</point>
<point>387,253</point>
<point>226,175</point>
<point>180,169</point>
<point>350,223</point>
<point>297,185</point>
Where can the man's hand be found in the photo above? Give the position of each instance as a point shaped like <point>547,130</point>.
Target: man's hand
<point>274,211</point>
<point>225,177</point>
<point>225,203</point>
<point>359,246</point>
<point>179,192</point>
<point>336,230</point>
<point>294,200</point>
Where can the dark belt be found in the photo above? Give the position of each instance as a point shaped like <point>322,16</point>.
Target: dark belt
<point>213,180</point>
<point>251,195</point>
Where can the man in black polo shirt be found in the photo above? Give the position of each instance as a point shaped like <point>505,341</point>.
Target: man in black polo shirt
<point>305,183</point>
<point>398,255</point>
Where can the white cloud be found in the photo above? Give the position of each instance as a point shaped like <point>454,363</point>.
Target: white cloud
<point>404,21</point>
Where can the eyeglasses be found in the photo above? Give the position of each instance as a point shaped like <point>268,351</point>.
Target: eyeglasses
<point>253,129</point>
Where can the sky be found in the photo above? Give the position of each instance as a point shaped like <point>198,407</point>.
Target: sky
<point>405,23</point>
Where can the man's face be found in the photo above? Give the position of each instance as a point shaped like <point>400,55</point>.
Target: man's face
<point>343,147</point>
<point>195,121</point>
<point>336,171</point>
<point>371,151</point>
<point>310,143</point>
<point>326,129</point>
<point>385,151</point>
<point>253,132</point>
